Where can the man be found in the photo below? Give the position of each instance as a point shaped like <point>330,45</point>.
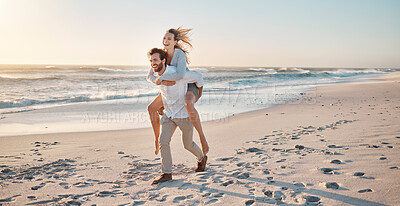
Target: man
<point>176,114</point>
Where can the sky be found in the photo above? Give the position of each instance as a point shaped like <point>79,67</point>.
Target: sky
<point>263,33</point>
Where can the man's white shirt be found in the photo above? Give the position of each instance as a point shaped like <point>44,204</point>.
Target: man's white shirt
<point>173,97</point>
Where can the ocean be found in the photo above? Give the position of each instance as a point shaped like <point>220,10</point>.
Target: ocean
<point>123,90</point>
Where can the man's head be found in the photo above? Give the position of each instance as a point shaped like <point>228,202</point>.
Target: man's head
<point>158,59</point>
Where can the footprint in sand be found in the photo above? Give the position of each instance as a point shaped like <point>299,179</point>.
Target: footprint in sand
<point>254,149</point>
<point>373,146</point>
<point>249,202</point>
<point>6,171</point>
<point>162,199</point>
<point>64,185</point>
<point>39,186</point>
<point>72,202</point>
<point>336,162</point>
<point>278,196</point>
<point>268,193</point>
<point>129,156</point>
<point>334,146</point>
<point>108,193</point>
<point>364,190</point>
<point>221,194</point>
<point>244,164</point>
<point>267,171</point>
<point>332,185</point>
<point>181,198</point>
<point>241,175</point>
<point>35,187</point>
<point>299,184</point>
<point>312,200</point>
<point>359,174</point>
<point>224,158</point>
<point>138,203</point>
<point>328,171</point>
<point>82,184</point>
<point>206,194</point>
<point>251,191</point>
<point>211,201</point>
<point>228,182</point>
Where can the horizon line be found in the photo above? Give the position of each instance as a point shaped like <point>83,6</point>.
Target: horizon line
<point>320,67</point>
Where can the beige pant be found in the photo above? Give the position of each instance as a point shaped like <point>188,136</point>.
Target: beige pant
<point>168,128</point>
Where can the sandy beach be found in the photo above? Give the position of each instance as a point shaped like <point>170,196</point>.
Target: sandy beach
<point>338,145</point>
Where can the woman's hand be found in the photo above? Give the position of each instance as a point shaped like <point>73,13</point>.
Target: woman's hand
<point>157,81</point>
<point>168,83</point>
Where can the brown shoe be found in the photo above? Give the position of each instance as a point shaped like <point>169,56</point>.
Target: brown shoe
<point>201,166</point>
<point>163,178</point>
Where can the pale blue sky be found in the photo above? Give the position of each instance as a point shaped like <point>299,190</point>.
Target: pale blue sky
<point>299,33</point>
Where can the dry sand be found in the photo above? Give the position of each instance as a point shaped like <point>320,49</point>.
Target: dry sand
<point>339,145</point>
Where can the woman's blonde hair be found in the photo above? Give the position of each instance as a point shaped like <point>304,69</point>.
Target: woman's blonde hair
<point>182,36</point>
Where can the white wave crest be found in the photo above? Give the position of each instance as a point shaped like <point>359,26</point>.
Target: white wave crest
<point>294,69</point>
<point>353,71</point>
<point>301,71</point>
<point>267,71</point>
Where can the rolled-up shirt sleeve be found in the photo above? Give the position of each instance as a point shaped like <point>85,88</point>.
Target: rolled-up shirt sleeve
<point>150,76</point>
<point>194,77</point>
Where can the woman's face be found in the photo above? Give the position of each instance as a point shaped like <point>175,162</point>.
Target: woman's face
<point>169,41</point>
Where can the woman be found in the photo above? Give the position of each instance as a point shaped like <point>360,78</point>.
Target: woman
<point>175,42</point>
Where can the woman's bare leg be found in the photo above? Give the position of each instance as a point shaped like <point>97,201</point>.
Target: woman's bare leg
<point>190,100</point>
<point>153,108</point>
